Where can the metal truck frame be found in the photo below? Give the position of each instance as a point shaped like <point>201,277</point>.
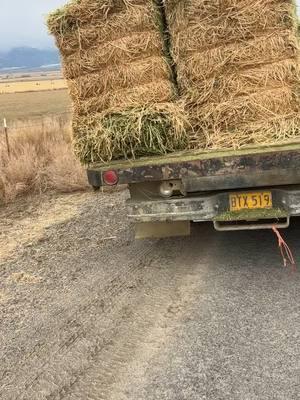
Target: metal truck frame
<point>250,188</point>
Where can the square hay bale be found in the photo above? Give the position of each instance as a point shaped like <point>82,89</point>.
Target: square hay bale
<point>237,69</point>
<point>130,133</point>
<point>118,69</point>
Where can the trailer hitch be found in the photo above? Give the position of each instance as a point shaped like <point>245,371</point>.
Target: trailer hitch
<point>242,225</point>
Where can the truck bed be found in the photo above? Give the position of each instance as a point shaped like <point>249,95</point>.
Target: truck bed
<point>210,170</point>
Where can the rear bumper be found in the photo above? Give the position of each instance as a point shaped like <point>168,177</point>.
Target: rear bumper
<point>211,207</point>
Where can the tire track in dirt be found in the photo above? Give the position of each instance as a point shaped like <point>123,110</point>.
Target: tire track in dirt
<point>116,315</point>
<point>33,219</point>
<point>116,289</point>
<point>100,300</point>
<point>157,319</point>
<point>39,331</point>
<point>149,316</point>
<point>107,309</point>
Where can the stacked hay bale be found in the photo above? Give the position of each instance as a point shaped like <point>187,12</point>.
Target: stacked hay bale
<point>238,70</point>
<point>120,79</point>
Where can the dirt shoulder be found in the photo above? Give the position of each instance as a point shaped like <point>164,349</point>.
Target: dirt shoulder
<point>25,221</point>
<point>80,297</point>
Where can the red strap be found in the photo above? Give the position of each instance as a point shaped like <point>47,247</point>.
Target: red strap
<point>285,251</point>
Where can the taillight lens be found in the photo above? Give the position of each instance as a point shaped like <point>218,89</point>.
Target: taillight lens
<point>110,178</point>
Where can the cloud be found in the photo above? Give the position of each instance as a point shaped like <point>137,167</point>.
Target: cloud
<point>23,22</point>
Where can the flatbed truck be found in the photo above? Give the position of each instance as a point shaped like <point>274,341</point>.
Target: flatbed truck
<point>248,188</point>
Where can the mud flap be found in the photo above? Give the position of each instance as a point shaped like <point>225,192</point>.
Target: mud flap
<point>158,230</point>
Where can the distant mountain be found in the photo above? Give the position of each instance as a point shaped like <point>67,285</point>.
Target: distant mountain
<point>28,57</point>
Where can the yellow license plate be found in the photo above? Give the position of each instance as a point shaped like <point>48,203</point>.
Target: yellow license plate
<point>249,201</point>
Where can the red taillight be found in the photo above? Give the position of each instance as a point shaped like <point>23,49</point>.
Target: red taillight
<point>110,178</point>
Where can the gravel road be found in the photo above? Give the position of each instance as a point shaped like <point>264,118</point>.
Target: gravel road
<point>88,313</point>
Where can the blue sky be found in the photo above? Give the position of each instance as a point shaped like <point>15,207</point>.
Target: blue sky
<point>22,22</point>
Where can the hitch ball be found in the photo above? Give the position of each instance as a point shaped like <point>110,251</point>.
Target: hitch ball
<point>166,189</point>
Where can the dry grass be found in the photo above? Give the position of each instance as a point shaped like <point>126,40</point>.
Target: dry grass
<point>32,86</point>
<point>27,76</point>
<point>31,105</point>
<point>24,278</point>
<point>41,159</point>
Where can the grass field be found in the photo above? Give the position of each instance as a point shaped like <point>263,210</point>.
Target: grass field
<point>25,76</point>
<point>32,86</point>
<point>41,156</point>
<point>29,105</point>
<point>25,95</point>
<point>41,159</point>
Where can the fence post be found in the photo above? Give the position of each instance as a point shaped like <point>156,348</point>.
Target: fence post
<point>6,136</point>
<point>60,122</point>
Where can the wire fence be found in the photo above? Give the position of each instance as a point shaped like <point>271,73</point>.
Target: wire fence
<point>38,120</point>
